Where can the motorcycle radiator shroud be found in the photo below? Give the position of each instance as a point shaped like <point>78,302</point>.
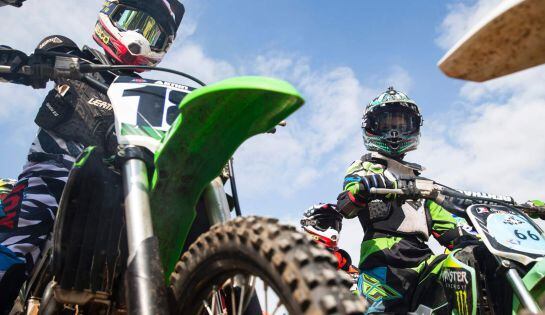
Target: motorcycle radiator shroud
<point>90,238</point>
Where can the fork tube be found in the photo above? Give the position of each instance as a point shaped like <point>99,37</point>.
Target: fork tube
<point>145,287</point>
<point>522,293</point>
<point>217,207</point>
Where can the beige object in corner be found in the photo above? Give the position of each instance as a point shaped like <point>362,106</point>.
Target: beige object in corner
<point>510,39</point>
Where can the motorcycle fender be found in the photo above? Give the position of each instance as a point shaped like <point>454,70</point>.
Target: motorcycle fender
<point>534,281</point>
<point>459,282</point>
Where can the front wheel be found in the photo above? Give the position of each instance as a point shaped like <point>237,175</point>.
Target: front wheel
<point>254,265</point>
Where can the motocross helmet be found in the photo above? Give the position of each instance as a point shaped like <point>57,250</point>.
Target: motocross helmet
<point>138,32</point>
<point>6,185</point>
<point>323,222</point>
<point>391,124</point>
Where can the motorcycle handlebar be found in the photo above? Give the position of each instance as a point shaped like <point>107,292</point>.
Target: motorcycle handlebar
<point>63,66</point>
<point>438,193</point>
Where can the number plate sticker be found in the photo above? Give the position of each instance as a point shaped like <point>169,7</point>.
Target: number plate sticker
<point>145,109</point>
<point>515,232</point>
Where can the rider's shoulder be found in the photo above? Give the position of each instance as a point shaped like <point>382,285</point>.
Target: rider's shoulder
<point>58,43</point>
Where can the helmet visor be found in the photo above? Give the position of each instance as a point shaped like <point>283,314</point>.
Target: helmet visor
<point>130,19</point>
<point>325,222</point>
<point>397,117</point>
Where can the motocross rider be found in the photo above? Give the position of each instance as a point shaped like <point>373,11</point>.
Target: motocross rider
<point>324,223</point>
<point>73,115</point>
<point>393,251</point>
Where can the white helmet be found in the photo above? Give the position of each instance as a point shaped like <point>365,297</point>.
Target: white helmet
<point>323,222</point>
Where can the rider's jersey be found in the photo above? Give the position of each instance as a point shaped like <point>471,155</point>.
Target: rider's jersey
<point>418,218</point>
<point>74,114</point>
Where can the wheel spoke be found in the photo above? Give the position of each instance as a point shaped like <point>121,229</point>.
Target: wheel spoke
<point>207,307</point>
<point>219,302</point>
<point>277,307</point>
<point>233,305</point>
<point>266,288</point>
<point>251,291</point>
<point>214,304</point>
<point>242,293</point>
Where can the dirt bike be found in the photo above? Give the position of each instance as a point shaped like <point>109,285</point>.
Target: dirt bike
<point>146,227</point>
<point>512,245</point>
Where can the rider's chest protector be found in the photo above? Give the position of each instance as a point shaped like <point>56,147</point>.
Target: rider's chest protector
<point>409,217</point>
<point>76,111</point>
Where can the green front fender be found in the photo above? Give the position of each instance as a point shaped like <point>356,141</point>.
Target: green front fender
<point>534,281</point>
<point>214,121</point>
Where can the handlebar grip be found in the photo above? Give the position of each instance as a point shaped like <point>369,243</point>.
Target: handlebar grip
<point>24,70</point>
<point>386,191</point>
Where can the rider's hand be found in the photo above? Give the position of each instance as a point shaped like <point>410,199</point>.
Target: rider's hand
<point>373,181</point>
<point>41,67</point>
<point>464,240</point>
<point>15,59</point>
<point>540,209</point>
<point>350,202</point>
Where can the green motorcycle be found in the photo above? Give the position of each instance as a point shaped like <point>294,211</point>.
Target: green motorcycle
<point>144,225</point>
<point>503,274</point>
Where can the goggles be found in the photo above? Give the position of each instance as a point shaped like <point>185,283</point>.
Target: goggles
<point>325,222</point>
<point>130,19</point>
<point>388,118</point>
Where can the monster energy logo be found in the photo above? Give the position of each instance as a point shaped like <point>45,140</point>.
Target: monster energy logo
<point>461,302</point>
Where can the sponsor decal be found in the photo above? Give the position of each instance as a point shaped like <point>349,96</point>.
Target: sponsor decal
<point>512,220</point>
<point>455,279</point>
<point>100,104</point>
<point>99,31</point>
<point>174,85</point>
<point>461,302</point>
<point>488,196</point>
<point>482,210</point>
<point>54,40</point>
<point>513,241</point>
<point>376,291</point>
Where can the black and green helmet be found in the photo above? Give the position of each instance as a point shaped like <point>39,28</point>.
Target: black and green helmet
<point>391,124</point>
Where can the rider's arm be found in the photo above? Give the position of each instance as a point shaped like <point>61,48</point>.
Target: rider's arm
<point>15,3</point>
<point>14,59</point>
<point>351,201</point>
<point>444,226</point>
<point>360,178</point>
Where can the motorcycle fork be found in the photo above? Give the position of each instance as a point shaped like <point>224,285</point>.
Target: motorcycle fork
<point>216,205</point>
<point>520,290</point>
<point>144,278</point>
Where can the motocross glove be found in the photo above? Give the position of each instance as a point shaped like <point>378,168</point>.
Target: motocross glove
<point>540,209</point>
<point>15,3</point>
<point>15,59</point>
<point>372,181</point>
<point>351,201</point>
<point>40,64</point>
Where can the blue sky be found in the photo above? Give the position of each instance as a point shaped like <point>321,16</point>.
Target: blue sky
<point>485,137</point>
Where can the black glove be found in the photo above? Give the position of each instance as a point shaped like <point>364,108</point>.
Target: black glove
<point>15,3</point>
<point>373,181</point>
<point>15,59</point>
<point>464,240</point>
<point>349,205</point>
<point>41,67</point>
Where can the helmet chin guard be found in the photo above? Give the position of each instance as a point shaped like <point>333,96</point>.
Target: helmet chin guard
<point>329,237</point>
<point>138,32</point>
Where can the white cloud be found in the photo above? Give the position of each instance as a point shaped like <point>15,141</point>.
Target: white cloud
<point>496,142</point>
<point>320,140</point>
<point>461,18</point>
<point>400,79</point>
<point>492,139</point>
